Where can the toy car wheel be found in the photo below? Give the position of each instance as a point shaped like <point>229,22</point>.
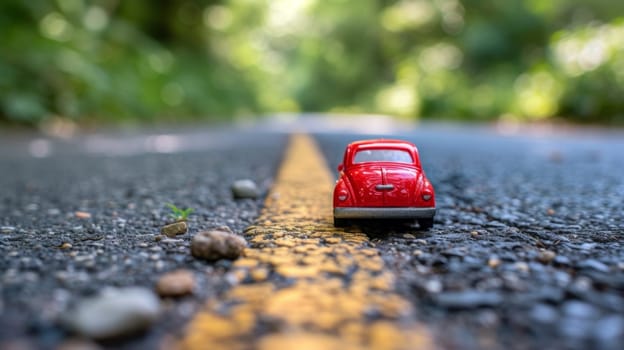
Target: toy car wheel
<point>340,222</point>
<point>425,224</point>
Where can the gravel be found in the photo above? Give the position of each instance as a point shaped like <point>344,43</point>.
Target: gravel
<point>526,250</point>
<point>50,257</point>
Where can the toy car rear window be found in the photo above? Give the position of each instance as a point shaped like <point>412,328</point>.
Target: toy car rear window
<point>382,155</point>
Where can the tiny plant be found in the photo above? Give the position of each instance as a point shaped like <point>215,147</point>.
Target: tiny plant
<point>179,214</point>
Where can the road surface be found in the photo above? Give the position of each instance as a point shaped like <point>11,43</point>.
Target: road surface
<point>526,251</point>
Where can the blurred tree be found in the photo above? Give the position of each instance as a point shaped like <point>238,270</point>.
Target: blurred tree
<point>112,60</point>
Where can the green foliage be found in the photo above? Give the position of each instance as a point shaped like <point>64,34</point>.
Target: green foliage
<point>143,61</point>
<point>178,214</point>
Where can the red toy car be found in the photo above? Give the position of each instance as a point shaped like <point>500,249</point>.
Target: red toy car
<point>383,179</point>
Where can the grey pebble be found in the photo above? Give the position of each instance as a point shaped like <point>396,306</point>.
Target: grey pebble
<point>593,264</point>
<point>114,313</point>
<point>245,189</point>
<point>7,229</point>
<point>609,331</point>
<point>579,309</point>
<point>561,260</point>
<point>545,314</point>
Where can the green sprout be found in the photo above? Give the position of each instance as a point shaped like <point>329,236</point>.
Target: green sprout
<point>179,214</point>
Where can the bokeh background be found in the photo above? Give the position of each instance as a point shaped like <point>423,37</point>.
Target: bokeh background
<point>174,60</point>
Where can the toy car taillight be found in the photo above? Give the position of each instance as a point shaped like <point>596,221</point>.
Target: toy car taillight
<point>343,195</point>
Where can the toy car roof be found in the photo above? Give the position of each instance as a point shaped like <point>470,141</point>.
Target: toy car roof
<point>380,143</point>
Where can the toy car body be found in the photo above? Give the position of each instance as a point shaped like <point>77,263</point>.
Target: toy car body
<point>383,179</point>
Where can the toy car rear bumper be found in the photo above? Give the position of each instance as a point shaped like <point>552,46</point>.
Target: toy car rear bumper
<point>383,213</point>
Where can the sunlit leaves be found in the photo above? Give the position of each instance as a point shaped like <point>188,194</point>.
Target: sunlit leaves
<point>467,59</point>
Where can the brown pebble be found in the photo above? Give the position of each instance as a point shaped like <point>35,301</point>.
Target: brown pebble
<point>550,211</point>
<point>172,230</point>
<point>494,262</point>
<point>217,244</point>
<point>474,233</point>
<point>65,245</point>
<point>82,215</point>
<point>176,283</point>
<point>546,256</point>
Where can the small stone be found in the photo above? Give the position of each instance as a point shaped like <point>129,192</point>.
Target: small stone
<point>588,246</point>
<point>82,215</point>
<point>158,238</point>
<point>7,229</point>
<point>546,256</point>
<point>409,236</point>
<point>487,318</point>
<point>433,286</point>
<point>65,245</point>
<point>176,283</point>
<point>454,252</point>
<point>521,266</point>
<point>579,309</point>
<point>582,283</point>
<point>417,252</point>
<point>562,260</point>
<point>217,244</point>
<point>550,212</point>
<point>494,262</point>
<point>544,314</point>
<point>474,234</point>
<point>245,189</point>
<point>172,230</point>
<point>114,313</point>
<point>32,207</point>
<point>593,264</point>
<point>54,212</point>
<point>609,331</point>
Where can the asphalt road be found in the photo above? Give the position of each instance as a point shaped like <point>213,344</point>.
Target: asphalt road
<point>526,251</point>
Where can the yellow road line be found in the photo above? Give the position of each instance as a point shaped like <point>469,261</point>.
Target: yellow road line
<point>304,284</point>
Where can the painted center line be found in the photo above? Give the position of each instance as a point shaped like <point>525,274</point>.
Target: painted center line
<point>304,284</point>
